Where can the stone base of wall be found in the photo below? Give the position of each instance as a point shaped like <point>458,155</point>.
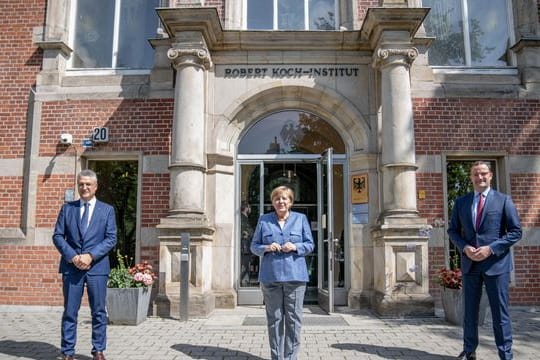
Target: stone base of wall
<point>225,299</point>
<point>201,305</point>
<point>403,305</point>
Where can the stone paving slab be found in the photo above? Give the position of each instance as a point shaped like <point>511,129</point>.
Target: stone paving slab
<point>29,334</point>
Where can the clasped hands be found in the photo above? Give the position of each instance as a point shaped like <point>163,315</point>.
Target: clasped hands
<point>477,254</point>
<point>82,262</point>
<point>287,247</point>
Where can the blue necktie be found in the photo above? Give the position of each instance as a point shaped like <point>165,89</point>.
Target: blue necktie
<point>84,219</point>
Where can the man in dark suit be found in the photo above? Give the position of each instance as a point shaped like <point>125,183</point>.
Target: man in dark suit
<point>84,234</point>
<point>484,226</point>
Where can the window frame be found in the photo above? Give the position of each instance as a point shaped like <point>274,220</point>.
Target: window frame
<point>73,71</point>
<point>501,183</point>
<point>276,17</point>
<point>509,69</point>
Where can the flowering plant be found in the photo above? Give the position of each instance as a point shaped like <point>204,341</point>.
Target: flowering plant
<point>139,275</point>
<point>451,277</point>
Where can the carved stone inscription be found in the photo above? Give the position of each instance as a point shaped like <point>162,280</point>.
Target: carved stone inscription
<point>287,71</point>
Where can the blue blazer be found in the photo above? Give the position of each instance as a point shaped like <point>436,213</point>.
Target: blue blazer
<point>499,229</point>
<point>283,267</point>
<point>98,241</point>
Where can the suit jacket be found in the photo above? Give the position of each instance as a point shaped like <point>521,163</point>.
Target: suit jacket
<point>499,228</point>
<point>98,241</point>
<point>282,267</point>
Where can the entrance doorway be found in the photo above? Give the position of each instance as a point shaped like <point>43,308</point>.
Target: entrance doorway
<point>308,178</point>
<point>118,186</point>
<point>302,151</point>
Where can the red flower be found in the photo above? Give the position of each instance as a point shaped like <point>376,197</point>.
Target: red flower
<point>450,278</point>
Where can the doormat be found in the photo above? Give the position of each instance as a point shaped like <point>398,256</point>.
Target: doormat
<point>307,321</point>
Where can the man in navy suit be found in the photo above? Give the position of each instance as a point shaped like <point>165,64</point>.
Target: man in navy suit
<point>84,234</point>
<point>484,244</point>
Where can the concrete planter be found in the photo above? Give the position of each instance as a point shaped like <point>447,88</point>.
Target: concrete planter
<point>452,303</point>
<point>128,306</point>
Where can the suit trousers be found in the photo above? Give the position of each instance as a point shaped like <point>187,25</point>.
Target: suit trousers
<point>73,288</point>
<point>283,302</point>
<point>497,291</point>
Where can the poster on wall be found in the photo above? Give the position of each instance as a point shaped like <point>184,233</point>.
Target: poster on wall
<point>359,189</point>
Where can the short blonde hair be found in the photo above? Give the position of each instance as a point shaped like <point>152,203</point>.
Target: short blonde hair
<point>280,190</point>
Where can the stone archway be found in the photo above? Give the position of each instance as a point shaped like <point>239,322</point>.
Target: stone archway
<point>341,114</point>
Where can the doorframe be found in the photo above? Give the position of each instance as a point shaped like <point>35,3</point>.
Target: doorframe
<point>135,156</point>
<point>255,294</point>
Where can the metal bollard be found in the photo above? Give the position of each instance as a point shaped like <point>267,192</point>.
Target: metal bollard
<point>184,277</point>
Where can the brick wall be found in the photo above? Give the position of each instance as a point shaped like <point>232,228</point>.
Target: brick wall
<point>451,124</point>
<point>526,195</point>
<point>155,198</point>
<point>134,125</point>
<point>30,276</point>
<point>10,201</point>
<point>526,287</point>
<point>513,126</point>
<point>219,5</point>
<point>431,207</point>
<point>20,61</point>
<point>363,6</point>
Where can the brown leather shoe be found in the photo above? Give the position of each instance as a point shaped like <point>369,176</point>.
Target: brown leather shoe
<point>98,355</point>
<point>67,357</point>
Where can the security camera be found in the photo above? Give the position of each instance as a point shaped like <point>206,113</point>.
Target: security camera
<point>66,139</point>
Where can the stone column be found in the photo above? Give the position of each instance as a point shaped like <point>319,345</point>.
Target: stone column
<point>397,154</point>
<point>187,166</point>
<point>191,59</point>
<point>401,272</point>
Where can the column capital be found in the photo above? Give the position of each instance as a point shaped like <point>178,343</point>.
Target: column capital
<point>182,56</point>
<point>383,57</point>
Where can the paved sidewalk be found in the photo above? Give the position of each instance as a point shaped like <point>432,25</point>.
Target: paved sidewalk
<point>29,333</point>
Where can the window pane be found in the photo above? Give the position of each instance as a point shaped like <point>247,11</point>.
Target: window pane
<point>291,15</point>
<point>322,15</point>
<point>138,23</point>
<point>260,14</point>
<point>488,29</point>
<point>444,22</point>
<point>291,132</point>
<point>92,47</point>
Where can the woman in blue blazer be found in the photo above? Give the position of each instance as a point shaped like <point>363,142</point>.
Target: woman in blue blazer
<point>282,239</point>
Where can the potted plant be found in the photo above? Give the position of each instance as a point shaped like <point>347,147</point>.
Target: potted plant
<point>128,293</point>
<point>451,282</point>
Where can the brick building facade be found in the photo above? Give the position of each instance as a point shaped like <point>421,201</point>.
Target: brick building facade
<point>184,120</point>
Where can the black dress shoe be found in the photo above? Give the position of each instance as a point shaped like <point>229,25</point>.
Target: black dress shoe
<point>466,356</point>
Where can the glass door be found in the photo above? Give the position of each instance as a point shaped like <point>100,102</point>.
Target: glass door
<point>326,246</point>
<point>308,179</point>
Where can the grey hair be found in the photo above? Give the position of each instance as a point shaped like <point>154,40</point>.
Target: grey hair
<point>87,173</point>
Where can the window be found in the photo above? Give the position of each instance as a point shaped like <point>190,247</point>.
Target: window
<point>458,183</point>
<point>113,34</point>
<point>470,33</point>
<point>290,132</point>
<point>291,14</point>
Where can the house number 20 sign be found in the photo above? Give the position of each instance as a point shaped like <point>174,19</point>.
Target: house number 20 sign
<point>100,134</point>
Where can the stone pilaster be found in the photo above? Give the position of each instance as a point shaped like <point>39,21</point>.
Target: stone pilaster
<point>191,59</point>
